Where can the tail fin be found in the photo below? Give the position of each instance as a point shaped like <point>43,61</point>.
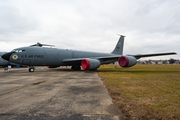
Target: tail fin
<point>119,47</point>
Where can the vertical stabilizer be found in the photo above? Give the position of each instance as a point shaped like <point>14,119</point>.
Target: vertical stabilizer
<point>119,47</point>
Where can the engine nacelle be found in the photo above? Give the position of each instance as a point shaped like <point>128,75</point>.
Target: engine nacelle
<point>127,61</point>
<point>90,64</point>
<point>52,66</point>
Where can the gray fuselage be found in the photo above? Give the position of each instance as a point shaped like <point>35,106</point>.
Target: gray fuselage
<point>42,56</point>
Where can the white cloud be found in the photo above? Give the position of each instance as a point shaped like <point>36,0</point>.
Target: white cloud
<point>150,26</point>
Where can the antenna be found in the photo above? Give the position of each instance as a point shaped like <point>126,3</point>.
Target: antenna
<point>40,45</point>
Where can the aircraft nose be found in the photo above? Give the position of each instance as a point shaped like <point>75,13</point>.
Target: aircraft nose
<point>6,56</point>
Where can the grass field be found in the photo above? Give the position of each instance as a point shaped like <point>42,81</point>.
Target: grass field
<point>144,91</point>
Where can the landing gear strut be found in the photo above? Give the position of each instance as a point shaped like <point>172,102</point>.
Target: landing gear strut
<point>76,67</point>
<point>6,69</point>
<point>31,69</point>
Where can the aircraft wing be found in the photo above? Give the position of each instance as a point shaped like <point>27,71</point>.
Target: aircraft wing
<point>73,60</point>
<point>151,55</point>
<point>109,59</point>
<point>103,60</point>
<point>138,56</point>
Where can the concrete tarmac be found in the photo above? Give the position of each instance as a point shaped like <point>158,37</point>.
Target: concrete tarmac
<point>56,93</point>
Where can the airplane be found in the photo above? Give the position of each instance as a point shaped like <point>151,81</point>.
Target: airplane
<point>36,55</point>
<point>6,63</point>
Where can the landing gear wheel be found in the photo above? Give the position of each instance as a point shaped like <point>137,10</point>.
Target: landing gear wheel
<point>76,67</point>
<point>94,69</point>
<point>72,68</point>
<point>31,69</point>
<point>6,69</point>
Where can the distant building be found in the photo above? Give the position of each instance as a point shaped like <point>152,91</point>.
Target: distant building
<point>158,62</point>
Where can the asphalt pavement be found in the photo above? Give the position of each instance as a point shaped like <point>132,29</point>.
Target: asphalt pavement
<point>55,93</point>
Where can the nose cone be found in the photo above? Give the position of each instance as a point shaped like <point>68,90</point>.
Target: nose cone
<point>6,56</point>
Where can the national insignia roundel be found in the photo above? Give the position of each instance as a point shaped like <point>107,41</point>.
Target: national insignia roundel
<point>15,57</point>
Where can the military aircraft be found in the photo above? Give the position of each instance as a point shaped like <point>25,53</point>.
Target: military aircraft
<point>36,55</point>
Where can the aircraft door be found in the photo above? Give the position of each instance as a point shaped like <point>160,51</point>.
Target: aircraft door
<point>73,55</point>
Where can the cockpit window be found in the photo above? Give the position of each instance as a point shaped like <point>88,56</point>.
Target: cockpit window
<point>13,51</point>
<point>17,50</point>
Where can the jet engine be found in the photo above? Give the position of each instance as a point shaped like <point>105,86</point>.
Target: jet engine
<point>90,64</point>
<point>127,61</point>
<point>52,66</point>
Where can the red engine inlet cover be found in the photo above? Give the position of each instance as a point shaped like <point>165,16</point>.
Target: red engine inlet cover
<point>85,64</point>
<point>123,61</point>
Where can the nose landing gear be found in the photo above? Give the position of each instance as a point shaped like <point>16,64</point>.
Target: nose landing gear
<point>31,69</point>
<point>6,69</point>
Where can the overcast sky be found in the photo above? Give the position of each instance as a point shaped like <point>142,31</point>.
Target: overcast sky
<point>151,26</point>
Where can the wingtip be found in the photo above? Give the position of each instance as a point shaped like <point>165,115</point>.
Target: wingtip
<point>174,53</point>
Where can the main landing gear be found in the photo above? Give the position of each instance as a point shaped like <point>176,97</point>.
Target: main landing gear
<point>31,69</point>
<point>76,67</point>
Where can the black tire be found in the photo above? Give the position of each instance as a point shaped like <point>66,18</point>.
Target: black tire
<point>72,68</point>
<point>31,69</point>
<point>76,67</point>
